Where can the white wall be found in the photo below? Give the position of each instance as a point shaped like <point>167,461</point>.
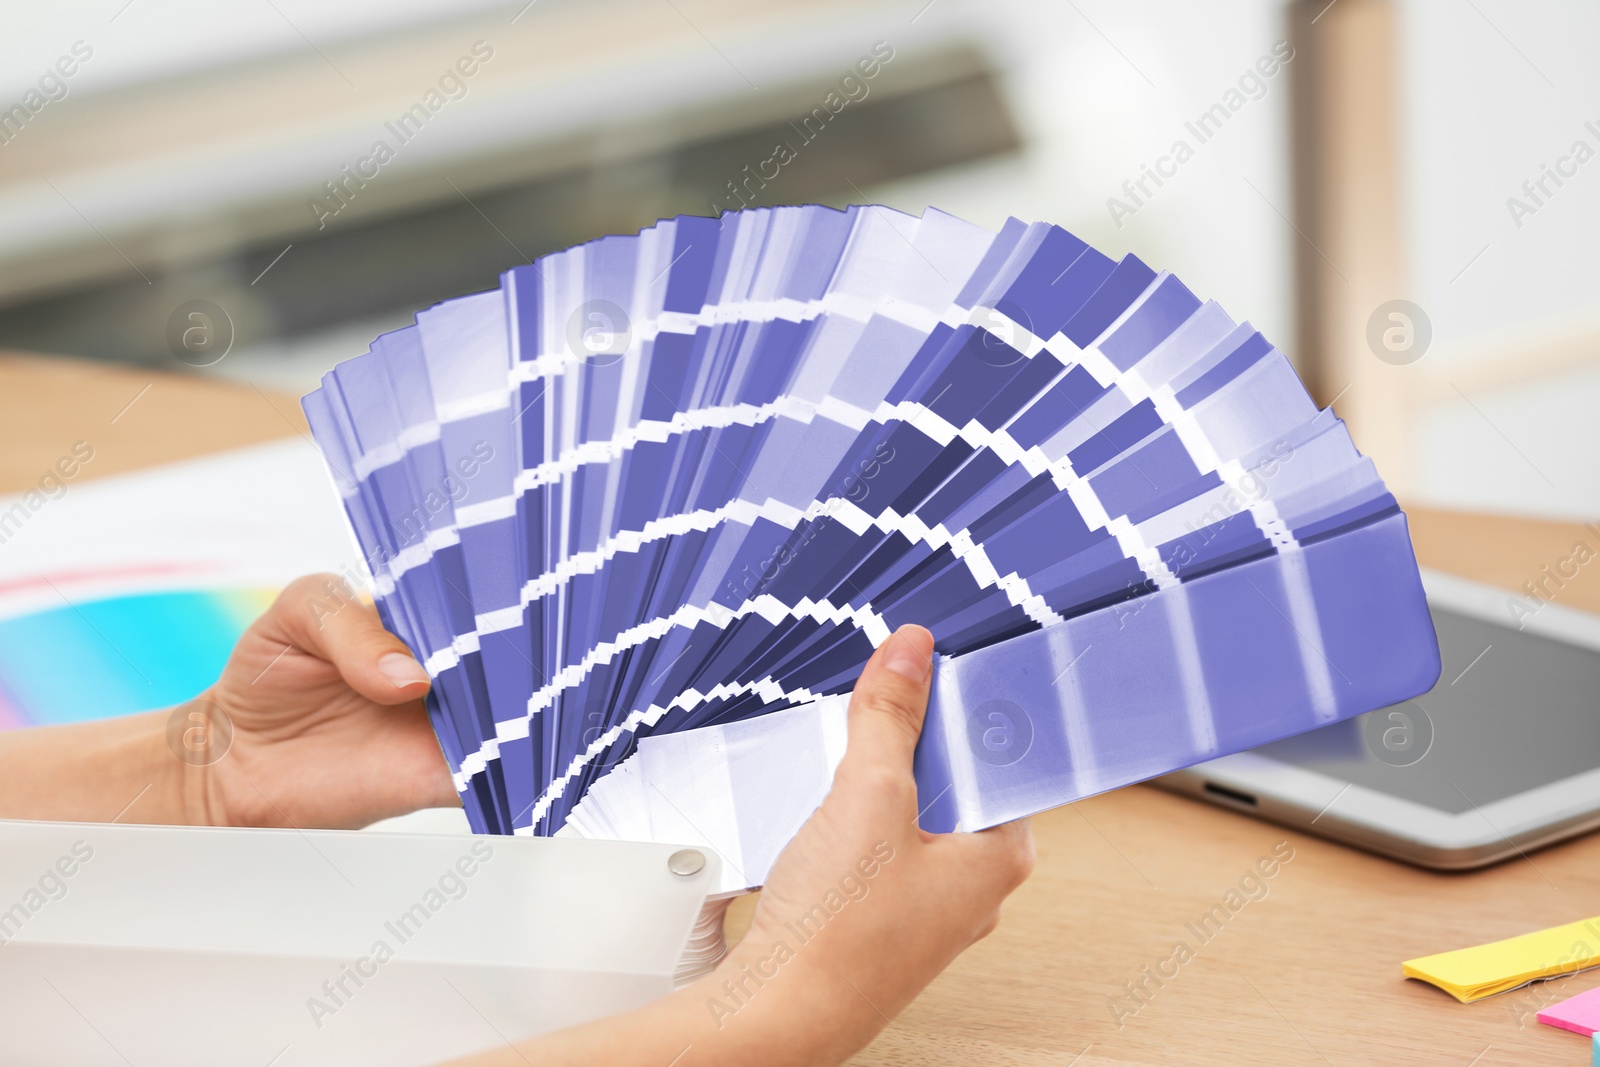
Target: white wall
<point>138,41</point>
<point>1101,89</point>
<point>1491,91</point>
<point>1495,90</point>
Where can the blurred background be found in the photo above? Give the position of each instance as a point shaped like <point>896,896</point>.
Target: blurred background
<point>1404,195</point>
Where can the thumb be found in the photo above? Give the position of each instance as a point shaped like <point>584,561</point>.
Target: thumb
<point>890,701</point>
<point>321,614</point>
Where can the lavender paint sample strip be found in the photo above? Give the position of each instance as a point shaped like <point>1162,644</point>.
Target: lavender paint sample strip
<point>645,511</point>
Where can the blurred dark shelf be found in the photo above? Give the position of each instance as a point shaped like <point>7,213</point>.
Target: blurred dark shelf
<point>360,269</point>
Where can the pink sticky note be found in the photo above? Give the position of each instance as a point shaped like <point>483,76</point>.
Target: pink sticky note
<point>1580,1014</point>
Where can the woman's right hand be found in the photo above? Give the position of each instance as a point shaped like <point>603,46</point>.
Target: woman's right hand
<point>863,909</point>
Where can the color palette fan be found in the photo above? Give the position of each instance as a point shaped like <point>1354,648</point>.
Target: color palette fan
<point>646,510</point>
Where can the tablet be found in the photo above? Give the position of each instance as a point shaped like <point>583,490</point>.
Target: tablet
<point>1501,757</point>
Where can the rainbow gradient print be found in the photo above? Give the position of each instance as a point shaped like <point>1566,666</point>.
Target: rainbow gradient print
<point>120,654</point>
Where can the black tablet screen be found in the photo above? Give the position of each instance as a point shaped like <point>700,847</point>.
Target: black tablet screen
<point>1512,710</point>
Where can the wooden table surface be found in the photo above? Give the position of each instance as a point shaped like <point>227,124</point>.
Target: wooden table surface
<point>1307,974</point>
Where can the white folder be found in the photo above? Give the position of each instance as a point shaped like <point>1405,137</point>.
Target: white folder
<point>186,946</point>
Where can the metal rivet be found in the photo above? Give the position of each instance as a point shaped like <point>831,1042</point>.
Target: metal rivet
<point>686,861</point>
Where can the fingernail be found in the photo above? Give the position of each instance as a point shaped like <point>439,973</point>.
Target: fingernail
<point>910,653</point>
<point>402,670</point>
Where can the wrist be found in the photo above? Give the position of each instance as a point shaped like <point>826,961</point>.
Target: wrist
<point>777,994</point>
<point>171,748</point>
<point>195,736</point>
<point>108,770</point>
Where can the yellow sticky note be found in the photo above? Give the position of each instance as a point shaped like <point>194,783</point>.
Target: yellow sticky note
<point>1470,974</point>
